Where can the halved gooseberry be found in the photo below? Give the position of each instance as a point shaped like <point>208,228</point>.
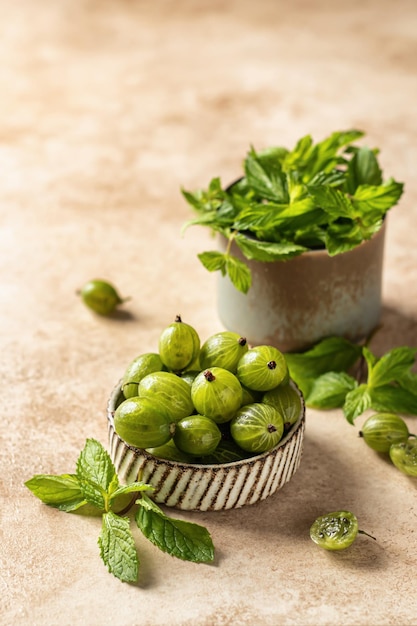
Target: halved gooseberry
<point>404,456</point>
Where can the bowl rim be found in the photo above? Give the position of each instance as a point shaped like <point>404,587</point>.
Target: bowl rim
<point>299,424</point>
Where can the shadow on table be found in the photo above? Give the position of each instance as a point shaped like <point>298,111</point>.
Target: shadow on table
<point>123,315</point>
<point>323,483</point>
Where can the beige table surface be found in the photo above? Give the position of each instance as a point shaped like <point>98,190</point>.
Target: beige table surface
<point>107,109</point>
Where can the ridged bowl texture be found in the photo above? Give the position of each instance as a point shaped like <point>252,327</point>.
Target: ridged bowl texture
<point>193,486</point>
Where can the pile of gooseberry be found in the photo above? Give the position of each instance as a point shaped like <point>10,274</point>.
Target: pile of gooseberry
<point>215,402</point>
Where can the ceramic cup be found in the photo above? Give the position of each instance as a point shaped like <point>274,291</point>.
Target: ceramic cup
<point>216,487</point>
<point>293,304</point>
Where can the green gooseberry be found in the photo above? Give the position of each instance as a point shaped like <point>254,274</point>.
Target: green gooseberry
<point>257,427</point>
<point>172,393</point>
<point>383,429</point>
<point>137,369</point>
<point>142,424</point>
<point>262,368</point>
<point>216,393</point>
<point>100,296</point>
<point>287,401</point>
<point>223,349</point>
<point>179,345</point>
<point>197,435</point>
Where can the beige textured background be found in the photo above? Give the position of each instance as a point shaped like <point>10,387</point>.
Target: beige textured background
<point>107,108</point>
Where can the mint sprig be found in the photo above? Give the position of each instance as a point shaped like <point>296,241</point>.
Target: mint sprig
<point>328,195</point>
<point>324,375</point>
<point>96,483</point>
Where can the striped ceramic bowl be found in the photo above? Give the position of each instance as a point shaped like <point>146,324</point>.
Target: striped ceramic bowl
<point>192,486</point>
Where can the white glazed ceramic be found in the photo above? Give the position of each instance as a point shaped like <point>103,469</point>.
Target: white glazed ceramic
<point>208,487</point>
<point>293,304</point>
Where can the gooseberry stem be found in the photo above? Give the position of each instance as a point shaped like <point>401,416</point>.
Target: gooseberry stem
<point>209,376</point>
<point>363,532</point>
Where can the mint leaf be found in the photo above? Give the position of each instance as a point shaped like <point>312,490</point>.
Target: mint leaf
<point>334,202</point>
<point>267,250</point>
<point>370,360</point>
<point>300,156</point>
<point>213,261</point>
<point>394,400</point>
<point>183,540</point>
<point>194,199</point>
<point>62,492</point>
<point>205,219</point>
<point>392,366</point>
<point>357,401</point>
<point>373,201</point>
<point>363,169</point>
<point>329,390</point>
<point>333,354</point>
<point>96,474</point>
<point>265,177</point>
<point>266,218</point>
<point>131,488</point>
<point>343,237</point>
<point>310,159</point>
<point>260,217</point>
<point>117,547</point>
<point>272,157</point>
<point>206,200</point>
<point>238,273</point>
<point>327,152</point>
<point>408,380</point>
